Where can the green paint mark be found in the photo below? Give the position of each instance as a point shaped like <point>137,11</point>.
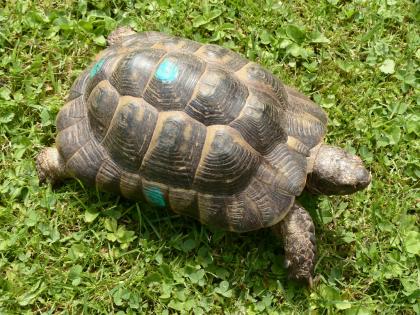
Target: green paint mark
<point>167,71</point>
<point>155,196</point>
<point>96,68</point>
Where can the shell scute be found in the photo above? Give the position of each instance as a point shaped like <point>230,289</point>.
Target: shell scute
<point>174,81</point>
<point>193,127</point>
<point>219,98</point>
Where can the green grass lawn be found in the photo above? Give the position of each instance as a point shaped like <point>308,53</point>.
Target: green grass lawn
<point>74,250</point>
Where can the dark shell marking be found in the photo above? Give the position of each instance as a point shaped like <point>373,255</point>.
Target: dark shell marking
<point>196,128</point>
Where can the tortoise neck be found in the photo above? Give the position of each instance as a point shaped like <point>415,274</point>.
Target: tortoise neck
<point>310,160</point>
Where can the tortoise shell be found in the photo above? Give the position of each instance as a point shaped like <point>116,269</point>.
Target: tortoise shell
<point>195,128</point>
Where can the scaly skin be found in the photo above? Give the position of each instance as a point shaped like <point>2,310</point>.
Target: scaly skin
<point>50,166</point>
<point>298,233</point>
<point>333,171</point>
<point>118,34</point>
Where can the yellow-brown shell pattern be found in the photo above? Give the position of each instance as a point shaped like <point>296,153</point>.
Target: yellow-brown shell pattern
<point>196,128</point>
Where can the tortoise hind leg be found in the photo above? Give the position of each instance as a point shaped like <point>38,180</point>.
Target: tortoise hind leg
<point>298,232</point>
<point>50,166</point>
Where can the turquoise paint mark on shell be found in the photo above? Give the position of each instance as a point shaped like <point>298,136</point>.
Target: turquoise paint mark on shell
<point>96,68</point>
<point>167,71</point>
<point>155,196</point>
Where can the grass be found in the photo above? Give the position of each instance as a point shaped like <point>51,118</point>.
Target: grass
<point>74,250</point>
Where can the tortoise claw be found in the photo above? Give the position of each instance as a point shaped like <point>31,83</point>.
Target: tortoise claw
<point>310,282</point>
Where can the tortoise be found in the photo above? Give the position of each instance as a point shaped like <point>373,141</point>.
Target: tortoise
<point>200,130</point>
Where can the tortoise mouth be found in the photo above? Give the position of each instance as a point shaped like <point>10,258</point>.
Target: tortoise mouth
<point>364,178</point>
<point>359,179</point>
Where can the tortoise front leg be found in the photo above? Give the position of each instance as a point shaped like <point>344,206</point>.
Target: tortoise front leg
<point>298,232</point>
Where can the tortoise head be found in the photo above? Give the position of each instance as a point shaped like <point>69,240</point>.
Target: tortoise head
<point>334,171</point>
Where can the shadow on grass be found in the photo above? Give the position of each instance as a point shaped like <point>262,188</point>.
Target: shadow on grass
<point>251,261</point>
